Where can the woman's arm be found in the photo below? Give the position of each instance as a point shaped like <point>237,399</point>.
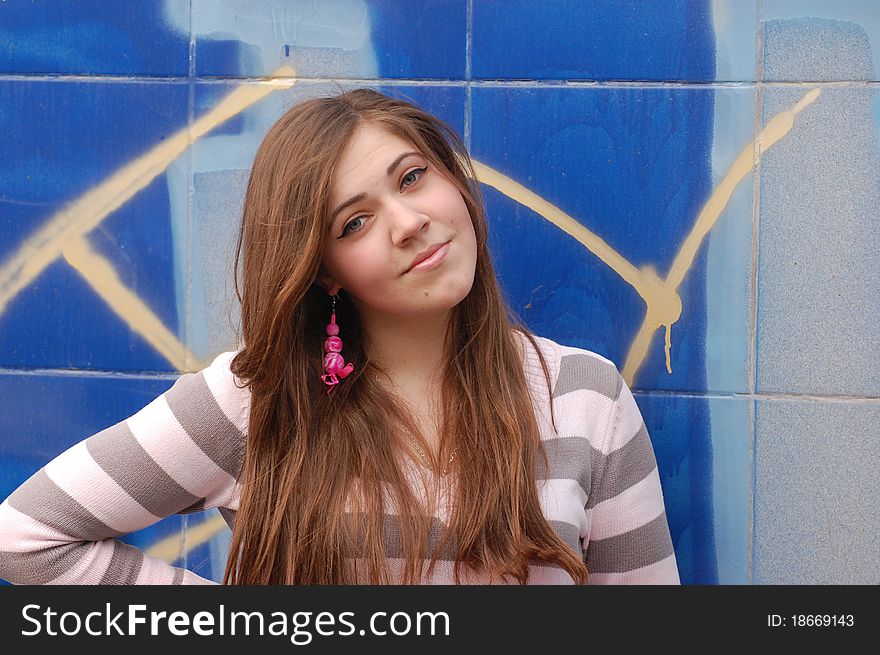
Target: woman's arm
<point>629,536</point>
<point>181,452</point>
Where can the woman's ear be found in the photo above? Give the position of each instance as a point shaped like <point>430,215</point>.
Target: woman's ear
<point>327,282</point>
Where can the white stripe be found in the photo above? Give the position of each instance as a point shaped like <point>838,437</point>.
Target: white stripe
<point>540,393</point>
<point>234,402</point>
<point>563,500</point>
<point>78,475</point>
<point>574,350</point>
<point>190,578</point>
<point>540,401</point>
<point>630,509</point>
<point>444,574</point>
<point>628,421</point>
<point>94,561</point>
<point>585,413</point>
<point>162,437</point>
<point>532,365</point>
<point>234,499</point>
<point>663,572</point>
<point>155,571</point>
<point>24,534</point>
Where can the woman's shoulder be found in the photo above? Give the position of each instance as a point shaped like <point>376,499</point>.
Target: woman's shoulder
<point>216,391</point>
<point>571,368</point>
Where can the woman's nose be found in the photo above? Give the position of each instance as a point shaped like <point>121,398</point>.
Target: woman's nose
<point>407,222</point>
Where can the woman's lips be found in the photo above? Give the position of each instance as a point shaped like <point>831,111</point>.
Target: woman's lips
<point>433,261</point>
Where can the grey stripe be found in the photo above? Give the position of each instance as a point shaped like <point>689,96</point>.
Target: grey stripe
<point>394,547</point>
<point>178,576</point>
<point>42,566</point>
<point>569,458</point>
<point>622,468</point>
<point>125,564</point>
<point>198,413</point>
<point>631,550</point>
<point>45,501</point>
<point>124,459</point>
<point>228,516</point>
<point>570,534</point>
<point>581,371</point>
<point>392,538</point>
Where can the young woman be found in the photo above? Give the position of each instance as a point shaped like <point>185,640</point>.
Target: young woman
<point>387,419</point>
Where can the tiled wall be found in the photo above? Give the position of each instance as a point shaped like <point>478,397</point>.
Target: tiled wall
<point>735,292</point>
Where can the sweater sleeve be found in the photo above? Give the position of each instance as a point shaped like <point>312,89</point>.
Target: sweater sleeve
<point>629,539</point>
<point>181,453</point>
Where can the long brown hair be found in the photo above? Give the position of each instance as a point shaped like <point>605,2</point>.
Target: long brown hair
<point>320,471</point>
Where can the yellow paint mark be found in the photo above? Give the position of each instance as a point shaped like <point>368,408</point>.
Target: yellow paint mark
<point>560,219</point>
<point>168,549</point>
<point>99,273</point>
<point>83,215</point>
<point>662,300</point>
<point>776,129</point>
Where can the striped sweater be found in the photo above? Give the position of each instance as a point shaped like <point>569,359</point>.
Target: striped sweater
<point>183,452</point>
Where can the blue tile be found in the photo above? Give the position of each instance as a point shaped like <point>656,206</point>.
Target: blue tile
<point>59,322</point>
<point>816,40</point>
<point>730,290</point>
<point>67,139</point>
<point>419,40</point>
<point>703,449</point>
<point>445,102</point>
<point>97,37</point>
<point>600,40</point>
<point>736,27</point>
<point>817,331</point>
<point>634,167</point>
<point>365,39</point>
<point>817,520</point>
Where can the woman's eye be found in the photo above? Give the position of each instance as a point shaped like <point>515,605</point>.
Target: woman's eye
<point>412,177</point>
<point>408,180</point>
<point>353,221</point>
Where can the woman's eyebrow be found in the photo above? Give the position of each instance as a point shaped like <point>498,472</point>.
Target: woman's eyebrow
<point>361,196</point>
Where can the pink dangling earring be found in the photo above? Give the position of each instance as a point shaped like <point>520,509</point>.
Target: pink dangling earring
<point>335,367</point>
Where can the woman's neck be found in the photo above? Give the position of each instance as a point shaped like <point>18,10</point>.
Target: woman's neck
<point>410,350</point>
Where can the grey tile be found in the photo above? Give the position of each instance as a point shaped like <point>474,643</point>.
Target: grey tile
<point>817,520</point>
<point>815,40</point>
<point>819,237</point>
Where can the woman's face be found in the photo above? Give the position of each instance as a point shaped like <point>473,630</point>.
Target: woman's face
<point>388,206</point>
